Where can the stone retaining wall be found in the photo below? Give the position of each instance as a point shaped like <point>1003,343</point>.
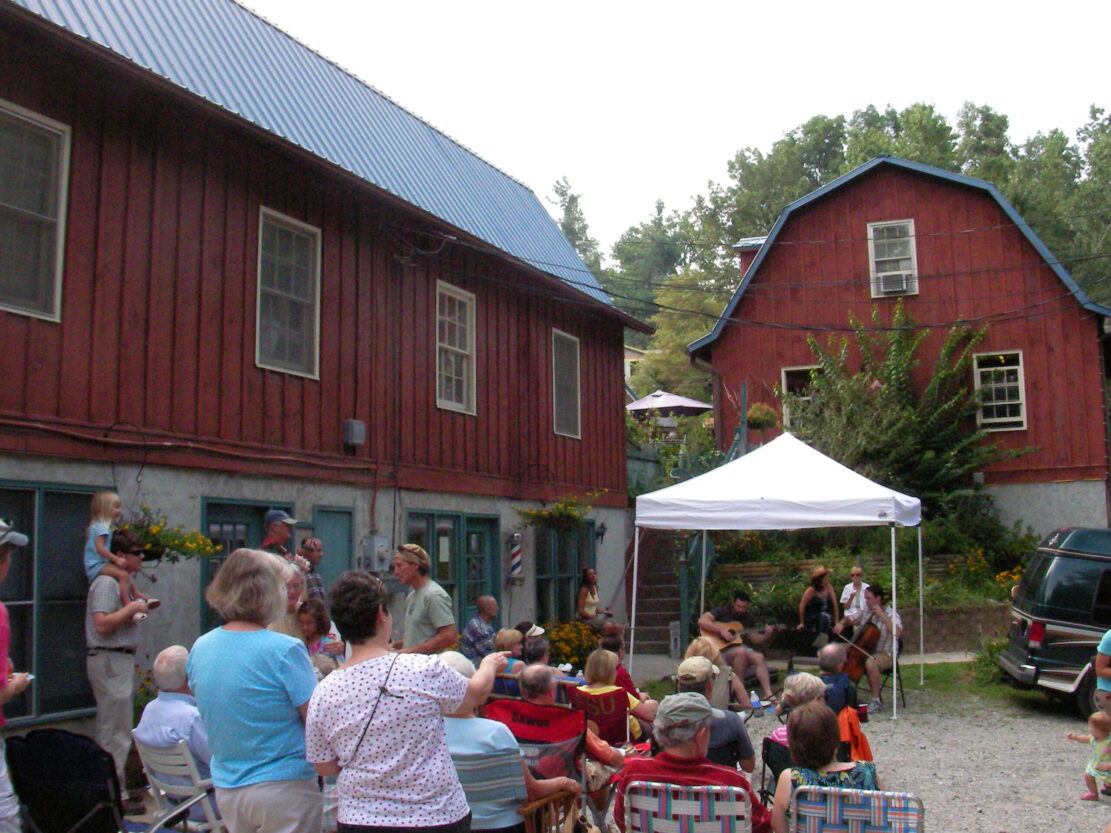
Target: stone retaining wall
<point>957,628</point>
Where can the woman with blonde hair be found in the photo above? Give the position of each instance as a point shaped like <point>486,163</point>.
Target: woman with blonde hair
<point>601,676</point>
<point>726,684</point>
<point>798,690</point>
<point>252,687</point>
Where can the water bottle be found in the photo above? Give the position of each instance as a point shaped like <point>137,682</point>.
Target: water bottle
<point>755,700</point>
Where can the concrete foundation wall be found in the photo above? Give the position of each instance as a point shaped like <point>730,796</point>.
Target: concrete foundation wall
<point>1047,506</point>
<point>179,494</point>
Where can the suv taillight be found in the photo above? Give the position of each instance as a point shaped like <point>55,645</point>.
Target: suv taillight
<point>1036,634</point>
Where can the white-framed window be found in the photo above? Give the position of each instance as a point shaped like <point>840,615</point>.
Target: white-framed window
<point>288,295</point>
<point>795,381</point>
<point>455,348</point>
<point>1002,391</point>
<point>892,258</point>
<point>565,384</point>
<point>34,173</point>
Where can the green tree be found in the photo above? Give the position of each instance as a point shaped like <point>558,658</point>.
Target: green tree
<point>687,308</point>
<point>918,133</point>
<point>984,150</point>
<point>646,255</point>
<point>572,223</point>
<point>1091,208</point>
<point>865,411</point>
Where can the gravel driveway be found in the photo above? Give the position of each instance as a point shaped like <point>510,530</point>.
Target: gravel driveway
<point>981,765</point>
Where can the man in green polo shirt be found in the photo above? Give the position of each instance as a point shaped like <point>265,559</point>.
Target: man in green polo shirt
<point>429,617</point>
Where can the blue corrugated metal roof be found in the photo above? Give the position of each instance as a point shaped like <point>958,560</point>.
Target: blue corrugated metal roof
<point>228,55</point>
<point>983,185</point>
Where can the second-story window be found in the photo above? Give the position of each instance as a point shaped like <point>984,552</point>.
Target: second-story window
<point>565,384</point>
<point>455,348</point>
<point>34,154</point>
<point>288,294</point>
<point>892,258</point>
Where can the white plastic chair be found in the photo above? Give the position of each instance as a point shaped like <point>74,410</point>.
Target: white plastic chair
<point>177,786</point>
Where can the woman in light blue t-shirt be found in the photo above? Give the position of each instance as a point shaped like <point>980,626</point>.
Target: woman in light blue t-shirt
<point>253,687</point>
<point>1103,673</point>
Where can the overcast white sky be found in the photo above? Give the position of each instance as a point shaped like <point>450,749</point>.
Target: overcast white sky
<point>635,102</point>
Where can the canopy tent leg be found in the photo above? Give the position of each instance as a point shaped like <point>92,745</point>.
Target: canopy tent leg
<point>894,638</point>
<point>921,616</point>
<point>633,616</point>
<point>702,604</point>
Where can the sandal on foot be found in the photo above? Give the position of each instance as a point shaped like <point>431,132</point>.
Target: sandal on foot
<point>152,604</point>
<point>138,617</point>
<point>1089,797</point>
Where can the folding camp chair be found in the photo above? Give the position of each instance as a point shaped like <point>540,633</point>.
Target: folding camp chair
<point>774,758</point>
<point>498,779</point>
<point>65,782</point>
<point>553,743</point>
<point>610,712</point>
<point>822,809</point>
<point>178,788</point>
<point>505,685</point>
<point>669,808</point>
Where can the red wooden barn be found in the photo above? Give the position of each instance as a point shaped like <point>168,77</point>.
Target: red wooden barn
<point>951,249</point>
<point>234,277</point>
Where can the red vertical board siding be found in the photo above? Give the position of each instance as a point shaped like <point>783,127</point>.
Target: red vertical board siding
<point>234,306</point>
<point>209,343</point>
<point>78,298</point>
<point>163,307</point>
<point>187,287</point>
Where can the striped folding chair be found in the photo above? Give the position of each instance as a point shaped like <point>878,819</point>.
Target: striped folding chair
<point>832,809</point>
<point>668,808</point>
<point>492,779</point>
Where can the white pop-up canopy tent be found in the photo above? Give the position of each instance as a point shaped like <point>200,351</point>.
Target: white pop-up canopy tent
<point>784,484</point>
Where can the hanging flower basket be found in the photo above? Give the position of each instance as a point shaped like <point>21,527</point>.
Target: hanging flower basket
<point>171,543</point>
<point>566,513</point>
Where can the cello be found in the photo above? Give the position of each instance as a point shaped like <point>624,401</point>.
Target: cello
<point>860,649</point>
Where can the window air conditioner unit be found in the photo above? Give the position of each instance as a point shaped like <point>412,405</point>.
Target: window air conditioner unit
<point>894,283</point>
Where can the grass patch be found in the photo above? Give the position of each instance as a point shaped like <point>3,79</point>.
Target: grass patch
<point>659,689</point>
<point>953,681</point>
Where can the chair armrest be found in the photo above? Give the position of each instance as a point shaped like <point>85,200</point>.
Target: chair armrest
<point>175,811</point>
<point>532,806</point>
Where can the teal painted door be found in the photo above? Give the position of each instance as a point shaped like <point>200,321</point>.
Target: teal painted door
<point>335,529</point>
<point>480,566</point>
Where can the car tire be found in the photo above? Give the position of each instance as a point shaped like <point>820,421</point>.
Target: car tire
<point>1086,696</point>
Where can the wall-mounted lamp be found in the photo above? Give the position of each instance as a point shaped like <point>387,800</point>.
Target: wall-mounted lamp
<point>600,531</point>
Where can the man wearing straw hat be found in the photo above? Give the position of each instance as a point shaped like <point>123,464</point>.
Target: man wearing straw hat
<point>429,616</point>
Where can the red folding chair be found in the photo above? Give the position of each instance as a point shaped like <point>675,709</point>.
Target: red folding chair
<point>552,738</point>
<point>610,712</point>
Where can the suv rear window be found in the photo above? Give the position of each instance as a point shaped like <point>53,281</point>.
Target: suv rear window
<point>1065,587</point>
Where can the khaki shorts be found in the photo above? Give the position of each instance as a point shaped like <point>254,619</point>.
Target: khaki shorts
<point>1103,700</point>
<point>882,661</point>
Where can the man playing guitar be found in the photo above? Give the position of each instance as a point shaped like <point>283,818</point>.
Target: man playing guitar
<point>734,625</point>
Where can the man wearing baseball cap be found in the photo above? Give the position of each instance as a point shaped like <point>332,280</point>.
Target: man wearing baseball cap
<point>278,527</point>
<point>11,685</point>
<point>682,729</point>
<point>729,742</point>
<point>429,616</point>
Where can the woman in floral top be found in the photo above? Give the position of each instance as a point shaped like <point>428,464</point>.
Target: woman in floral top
<point>813,736</point>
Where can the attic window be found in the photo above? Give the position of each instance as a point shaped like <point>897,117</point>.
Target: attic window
<point>892,258</point>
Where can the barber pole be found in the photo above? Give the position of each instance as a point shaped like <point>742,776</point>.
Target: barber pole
<point>516,563</point>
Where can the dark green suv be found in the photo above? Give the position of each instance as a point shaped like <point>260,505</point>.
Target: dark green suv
<point>1060,613</point>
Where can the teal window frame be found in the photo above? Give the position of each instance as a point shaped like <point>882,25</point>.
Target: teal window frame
<point>560,560</point>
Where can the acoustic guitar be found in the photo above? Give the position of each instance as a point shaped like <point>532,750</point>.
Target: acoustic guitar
<point>738,632</point>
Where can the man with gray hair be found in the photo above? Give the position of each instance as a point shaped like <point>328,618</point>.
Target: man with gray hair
<point>172,716</point>
<point>682,729</point>
<point>840,690</point>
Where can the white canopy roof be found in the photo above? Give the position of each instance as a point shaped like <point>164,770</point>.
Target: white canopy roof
<point>785,484</point>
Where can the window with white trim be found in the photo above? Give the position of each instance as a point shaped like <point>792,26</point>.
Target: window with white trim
<point>288,295</point>
<point>565,384</point>
<point>455,348</point>
<point>796,381</point>
<point>34,160</point>
<point>1002,391</point>
<point>892,258</point>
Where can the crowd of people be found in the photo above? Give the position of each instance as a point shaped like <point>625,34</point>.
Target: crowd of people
<point>308,714</point>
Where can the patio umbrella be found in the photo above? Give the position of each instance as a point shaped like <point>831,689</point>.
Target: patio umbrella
<point>669,404</point>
